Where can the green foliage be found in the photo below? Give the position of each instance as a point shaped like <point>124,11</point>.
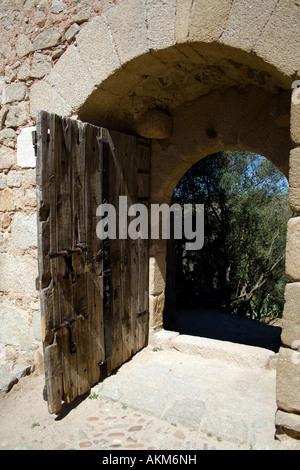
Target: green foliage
<point>241,265</point>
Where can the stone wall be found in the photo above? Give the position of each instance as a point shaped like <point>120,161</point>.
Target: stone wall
<point>218,74</point>
<point>288,370</point>
<point>33,36</point>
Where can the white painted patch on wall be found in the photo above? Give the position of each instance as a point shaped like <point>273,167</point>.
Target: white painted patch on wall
<point>25,148</point>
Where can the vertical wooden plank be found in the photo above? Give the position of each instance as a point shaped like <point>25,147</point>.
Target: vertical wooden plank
<point>106,255</point>
<point>132,187</point>
<point>143,177</point>
<point>93,260</point>
<point>130,271</point>
<point>117,264</point>
<point>46,194</point>
<point>63,135</point>
<point>80,305</point>
<point>52,200</point>
<point>127,157</point>
<point>43,194</point>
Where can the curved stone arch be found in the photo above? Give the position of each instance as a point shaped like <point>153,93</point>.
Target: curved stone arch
<point>264,32</point>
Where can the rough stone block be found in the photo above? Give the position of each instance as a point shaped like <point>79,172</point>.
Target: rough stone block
<point>24,71</point>
<point>291,316</point>
<point>7,136</point>
<point>155,124</point>
<point>128,24</point>
<point>10,373</point>
<point>246,22</point>
<point>14,179</point>
<point>37,326</point>
<point>3,114</point>
<point>288,423</point>
<point>44,97</point>
<point>294,180</point>
<point>30,176</point>
<point>57,6</point>
<point>293,249</point>
<point>280,38</point>
<point>2,181</point>
<point>48,38</point>
<point>18,274</point>
<point>9,75</point>
<point>72,31</point>
<point>71,79</point>
<point>288,381</point>
<point>156,309</point>
<point>157,274</point>
<point>14,92</point>
<point>82,15</point>
<point>7,158</point>
<point>16,116</point>
<point>183,8</point>
<point>7,200</point>
<point>295,115</point>
<point>30,197</point>
<point>25,149</point>
<point>101,61</point>
<point>24,231</point>
<point>41,65</point>
<point>161,17</point>
<point>207,19</point>
<point>23,45</point>
<point>14,325</point>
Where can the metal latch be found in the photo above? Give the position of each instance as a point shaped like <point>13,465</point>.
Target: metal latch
<point>67,254</point>
<point>69,323</point>
<point>141,314</point>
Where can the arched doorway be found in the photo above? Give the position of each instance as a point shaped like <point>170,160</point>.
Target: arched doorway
<point>233,120</point>
<point>238,276</point>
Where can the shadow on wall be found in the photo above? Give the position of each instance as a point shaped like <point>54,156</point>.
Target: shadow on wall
<point>215,324</point>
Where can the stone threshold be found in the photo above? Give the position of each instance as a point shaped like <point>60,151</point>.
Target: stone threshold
<point>225,351</point>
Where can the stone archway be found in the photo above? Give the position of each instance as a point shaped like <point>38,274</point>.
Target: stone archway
<point>136,42</point>
<point>222,72</point>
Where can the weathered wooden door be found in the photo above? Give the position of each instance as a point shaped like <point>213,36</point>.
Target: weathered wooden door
<point>94,293</point>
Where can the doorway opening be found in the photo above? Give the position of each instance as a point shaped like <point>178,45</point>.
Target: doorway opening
<point>233,288</point>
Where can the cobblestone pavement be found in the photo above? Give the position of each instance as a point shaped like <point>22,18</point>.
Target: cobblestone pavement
<point>163,399</point>
<point>95,423</point>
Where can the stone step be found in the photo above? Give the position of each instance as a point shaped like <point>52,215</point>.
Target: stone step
<point>225,351</point>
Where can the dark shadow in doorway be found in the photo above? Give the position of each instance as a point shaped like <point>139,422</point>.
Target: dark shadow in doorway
<point>215,324</point>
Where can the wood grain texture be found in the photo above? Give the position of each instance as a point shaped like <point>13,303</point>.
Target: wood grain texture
<point>80,166</point>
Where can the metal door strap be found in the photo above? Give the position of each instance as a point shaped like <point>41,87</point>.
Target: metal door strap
<point>67,323</point>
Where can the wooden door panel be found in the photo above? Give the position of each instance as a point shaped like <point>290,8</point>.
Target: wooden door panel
<point>129,257</point>
<point>68,163</point>
<point>94,293</point>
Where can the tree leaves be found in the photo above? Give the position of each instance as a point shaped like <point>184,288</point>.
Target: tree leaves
<point>246,213</point>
